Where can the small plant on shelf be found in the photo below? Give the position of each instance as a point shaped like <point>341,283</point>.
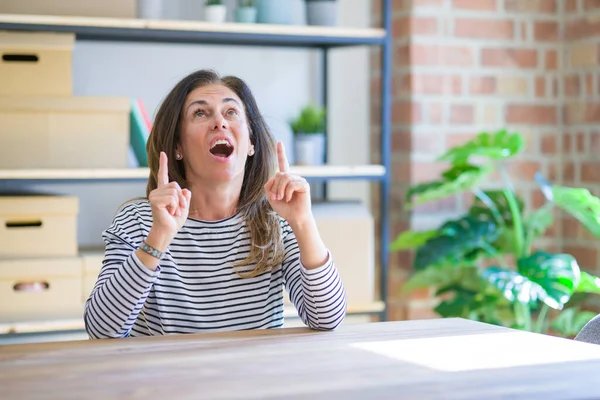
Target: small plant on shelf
<point>247,3</point>
<point>310,121</point>
<point>214,2</point>
<point>484,265</point>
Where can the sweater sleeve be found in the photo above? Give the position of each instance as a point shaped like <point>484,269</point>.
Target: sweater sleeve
<point>318,294</point>
<point>123,283</point>
<point>590,333</point>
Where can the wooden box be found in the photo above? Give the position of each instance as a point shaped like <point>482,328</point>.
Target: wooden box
<point>92,264</point>
<point>84,8</point>
<point>64,132</point>
<point>40,289</point>
<point>36,64</point>
<point>38,226</point>
<point>347,229</point>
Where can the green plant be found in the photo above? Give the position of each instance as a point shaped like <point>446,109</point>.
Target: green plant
<point>214,2</point>
<point>246,3</point>
<point>311,120</point>
<point>483,265</point>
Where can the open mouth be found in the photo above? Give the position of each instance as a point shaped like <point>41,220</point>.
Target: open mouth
<point>221,148</point>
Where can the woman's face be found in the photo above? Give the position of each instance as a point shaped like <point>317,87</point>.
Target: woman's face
<point>215,137</point>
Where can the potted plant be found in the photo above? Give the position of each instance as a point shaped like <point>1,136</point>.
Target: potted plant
<point>321,12</point>
<point>215,11</point>
<point>309,136</point>
<point>246,11</point>
<point>484,265</point>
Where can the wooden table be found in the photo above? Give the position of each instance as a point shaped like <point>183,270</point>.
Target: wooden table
<point>428,359</point>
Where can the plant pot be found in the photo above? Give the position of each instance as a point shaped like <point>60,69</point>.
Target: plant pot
<point>246,15</point>
<point>216,13</point>
<point>309,149</point>
<point>321,12</point>
<point>149,9</point>
<point>274,11</point>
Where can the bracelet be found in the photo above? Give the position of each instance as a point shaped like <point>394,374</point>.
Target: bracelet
<point>151,250</point>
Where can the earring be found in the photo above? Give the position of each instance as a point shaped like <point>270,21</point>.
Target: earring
<point>178,156</point>
<point>251,152</point>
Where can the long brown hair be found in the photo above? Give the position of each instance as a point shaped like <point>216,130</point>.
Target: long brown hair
<point>266,246</point>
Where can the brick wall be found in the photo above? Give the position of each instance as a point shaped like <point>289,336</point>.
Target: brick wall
<point>581,139</point>
<point>464,66</point>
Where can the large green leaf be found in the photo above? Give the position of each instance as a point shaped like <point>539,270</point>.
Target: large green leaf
<point>412,239</point>
<point>455,180</point>
<point>570,321</point>
<point>514,286</point>
<point>581,204</point>
<point>444,275</point>
<point>496,146</point>
<point>538,222</point>
<point>456,241</point>
<point>557,274</point>
<point>460,305</point>
<point>488,202</point>
<point>588,284</point>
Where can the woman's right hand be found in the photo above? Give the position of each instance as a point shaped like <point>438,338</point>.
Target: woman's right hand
<point>170,205</point>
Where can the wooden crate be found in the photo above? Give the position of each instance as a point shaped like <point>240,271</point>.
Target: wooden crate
<point>38,226</point>
<point>64,132</point>
<point>36,64</point>
<point>40,289</point>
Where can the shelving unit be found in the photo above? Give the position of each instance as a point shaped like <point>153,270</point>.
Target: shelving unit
<point>310,37</point>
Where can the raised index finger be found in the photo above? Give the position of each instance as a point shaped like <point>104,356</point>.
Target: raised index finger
<point>162,178</point>
<point>284,166</point>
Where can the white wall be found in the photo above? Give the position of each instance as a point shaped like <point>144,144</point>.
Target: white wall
<point>283,80</point>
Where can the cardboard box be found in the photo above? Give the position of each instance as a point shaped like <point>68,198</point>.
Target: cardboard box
<point>84,8</point>
<point>36,63</point>
<point>64,132</point>
<point>40,289</point>
<point>38,226</point>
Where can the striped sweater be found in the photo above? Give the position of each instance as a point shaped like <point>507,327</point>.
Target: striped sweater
<point>195,287</point>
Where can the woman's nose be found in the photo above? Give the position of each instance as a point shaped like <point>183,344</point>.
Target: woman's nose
<point>219,122</point>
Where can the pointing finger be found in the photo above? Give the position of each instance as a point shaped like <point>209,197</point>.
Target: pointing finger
<point>162,178</point>
<point>284,166</point>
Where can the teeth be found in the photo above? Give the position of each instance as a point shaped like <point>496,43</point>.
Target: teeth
<point>220,141</point>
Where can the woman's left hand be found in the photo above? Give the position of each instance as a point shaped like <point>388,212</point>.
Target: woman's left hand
<point>289,195</point>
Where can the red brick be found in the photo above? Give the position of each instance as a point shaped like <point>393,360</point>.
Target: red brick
<point>542,6</point>
<point>531,114</point>
<point>482,84</point>
<point>427,142</point>
<point>549,144</point>
<point>427,84</point>
<point>479,28</point>
<point>580,113</point>
<point>594,147</point>
<point>406,112</point>
<point>587,257</point>
<point>402,57</point>
<point>402,142</point>
<point>572,85</point>
<point>507,57</point>
<point>551,59</point>
<point>405,27</point>
<point>590,5</point>
<point>571,5</point>
<point>462,114</point>
<point>479,5</point>
<point>581,28</point>
<point>458,139</point>
<point>545,31</point>
<point>590,171</point>
<point>524,170</point>
<point>589,84</point>
<point>439,55</point>
<point>569,171</point>
<point>436,113</point>
<point>416,312</point>
<point>540,87</point>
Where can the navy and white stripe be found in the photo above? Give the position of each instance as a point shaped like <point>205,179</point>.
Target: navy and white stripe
<point>195,287</point>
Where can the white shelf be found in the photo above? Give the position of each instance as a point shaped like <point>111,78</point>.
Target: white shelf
<point>93,28</point>
<point>77,324</point>
<point>324,172</point>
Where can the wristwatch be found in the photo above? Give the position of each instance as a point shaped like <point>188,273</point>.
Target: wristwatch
<point>151,250</point>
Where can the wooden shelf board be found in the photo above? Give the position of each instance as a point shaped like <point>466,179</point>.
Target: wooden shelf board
<point>327,171</point>
<point>40,327</point>
<point>92,28</point>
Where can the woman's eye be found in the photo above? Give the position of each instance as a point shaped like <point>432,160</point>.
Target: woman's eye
<point>199,113</point>
<point>232,111</point>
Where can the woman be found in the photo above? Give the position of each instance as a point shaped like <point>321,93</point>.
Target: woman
<point>224,227</point>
